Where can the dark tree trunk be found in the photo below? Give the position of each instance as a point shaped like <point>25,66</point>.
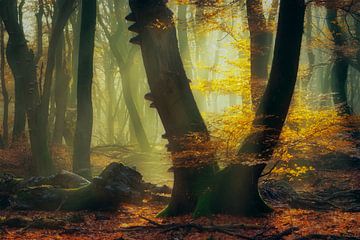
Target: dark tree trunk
<point>5,94</point>
<point>84,122</point>
<point>339,71</point>
<point>238,183</point>
<point>172,97</point>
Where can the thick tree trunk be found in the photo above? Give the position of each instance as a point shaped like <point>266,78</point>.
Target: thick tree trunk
<point>172,97</point>
<point>84,122</point>
<point>238,183</point>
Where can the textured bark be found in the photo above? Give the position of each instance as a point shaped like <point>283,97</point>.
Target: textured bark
<point>84,122</point>
<point>172,97</point>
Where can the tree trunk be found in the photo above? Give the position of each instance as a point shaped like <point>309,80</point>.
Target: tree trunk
<point>260,45</point>
<point>5,94</point>
<point>62,79</point>
<point>84,122</point>
<point>172,97</point>
<point>238,183</point>
<point>339,71</point>
<point>184,39</point>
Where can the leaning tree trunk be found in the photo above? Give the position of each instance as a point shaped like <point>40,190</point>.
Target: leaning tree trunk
<point>172,97</point>
<point>237,189</point>
<point>84,122</point>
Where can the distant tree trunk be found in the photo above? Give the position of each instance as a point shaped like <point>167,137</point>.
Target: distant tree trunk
<point>260,45</point>
<point>5,94</point>
<point>110,91</point>
<point>237,189</point>
<point>172,97</point>
<point>184,39</point>
<point>339,71</point>
<point>62,79</point>
<point>75,24</point>
<point>309,37</point>
<point>20,100</point>
<point>39,38</point>
<point>126,80</point>
<point>22,63</point>
<point>84,122</point>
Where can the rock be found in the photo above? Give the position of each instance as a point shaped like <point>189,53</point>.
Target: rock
<point>116,184</point>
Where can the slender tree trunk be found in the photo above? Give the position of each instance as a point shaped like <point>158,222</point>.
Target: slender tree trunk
<point>339,71</point>
<point>184,39</point>
<point>260,46</point>
<point>5,94</point>
<point>84,122</point>
<point>172,97</point>
<point>62,79</point>
<point>237,189</point>
<point>75,24</point>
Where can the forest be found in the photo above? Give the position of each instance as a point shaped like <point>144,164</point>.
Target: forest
<point>180,119</point>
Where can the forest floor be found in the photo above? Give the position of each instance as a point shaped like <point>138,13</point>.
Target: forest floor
<point>140,222</point>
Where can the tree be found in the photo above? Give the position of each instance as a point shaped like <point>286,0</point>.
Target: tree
<point>22,62</point>
<point>172,97</point>
<point>84,121</point>
<point>234,190</point>
<point>339,71</point>
<point>238,184</point>
<point>261,45</point>
<point>125,65</point>
<point>5,94</point>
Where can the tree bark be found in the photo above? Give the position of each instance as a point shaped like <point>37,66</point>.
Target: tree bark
<point>84,122</point>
